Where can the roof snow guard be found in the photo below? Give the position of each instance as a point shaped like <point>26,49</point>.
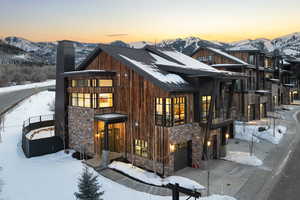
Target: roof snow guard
<point>163,67</point>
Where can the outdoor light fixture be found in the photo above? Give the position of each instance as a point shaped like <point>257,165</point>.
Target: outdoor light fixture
<point>172,147</point>
<point>227,135</point>
<point>208,143</point>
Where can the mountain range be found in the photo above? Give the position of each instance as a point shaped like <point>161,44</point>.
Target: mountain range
<point>16,50</point>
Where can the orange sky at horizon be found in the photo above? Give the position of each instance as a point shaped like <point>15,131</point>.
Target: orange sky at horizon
<point>141,20</point>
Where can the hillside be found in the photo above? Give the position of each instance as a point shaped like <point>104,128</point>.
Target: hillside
<point>46,51</point>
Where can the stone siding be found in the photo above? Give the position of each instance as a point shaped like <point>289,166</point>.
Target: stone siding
<point>81,129</point>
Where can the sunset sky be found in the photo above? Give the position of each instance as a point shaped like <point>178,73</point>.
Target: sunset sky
<point>149,20</point>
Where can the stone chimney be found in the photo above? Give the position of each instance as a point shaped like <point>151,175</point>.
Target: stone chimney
<point>65,62</point>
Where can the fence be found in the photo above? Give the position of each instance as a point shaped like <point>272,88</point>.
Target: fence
<point>40,146</point>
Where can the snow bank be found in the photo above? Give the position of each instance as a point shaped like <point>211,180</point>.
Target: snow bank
<point>152,178</point>
<point>27,86</point>
<point>243,158</point>
<point>249,132</point>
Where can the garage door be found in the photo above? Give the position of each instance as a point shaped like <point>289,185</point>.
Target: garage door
<point>182,156</point>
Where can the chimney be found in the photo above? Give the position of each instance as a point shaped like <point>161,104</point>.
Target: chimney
<point>65,62</point>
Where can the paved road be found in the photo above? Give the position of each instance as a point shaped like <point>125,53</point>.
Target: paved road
<point>288,186</point>
<point>11,98</point>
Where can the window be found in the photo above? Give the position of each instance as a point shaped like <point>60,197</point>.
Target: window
<point>141,148</point>
<point>251,112</point>
<point>205,103</point>
<point>83,83</point>
<point>179,110</point>
<point>251,59</point>
<point>81,99</point>
<point>74,101</point>
<point>74,83</point>
<point>170,111</point>
<point>159,111</point>
<point>105,83</point>
<point>105,100</point>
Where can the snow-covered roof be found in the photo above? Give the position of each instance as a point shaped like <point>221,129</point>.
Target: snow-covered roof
<point>247,47</point>
<point>220,52</point>
<point>88,72</point>
<point>161,66</point>
<point>187,61</point>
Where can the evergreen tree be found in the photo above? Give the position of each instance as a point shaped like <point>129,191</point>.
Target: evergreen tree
<point>89,188</point>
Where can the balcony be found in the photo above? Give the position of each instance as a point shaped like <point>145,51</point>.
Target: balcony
<point>220,120</point>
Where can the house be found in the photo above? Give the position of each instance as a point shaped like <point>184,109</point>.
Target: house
<point>251,95</point>
<point>154,107</point>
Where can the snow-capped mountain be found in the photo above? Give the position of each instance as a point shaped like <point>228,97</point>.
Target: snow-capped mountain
<point>46,51</point>
<point>190,44</point>
<point>13,55</point>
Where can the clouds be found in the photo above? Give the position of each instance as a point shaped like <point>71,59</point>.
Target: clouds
<point>117,35</point>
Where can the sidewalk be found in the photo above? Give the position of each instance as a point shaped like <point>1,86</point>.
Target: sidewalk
<point>242,181</point>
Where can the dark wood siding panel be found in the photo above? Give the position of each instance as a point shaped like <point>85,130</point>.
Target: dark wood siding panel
<point>137,103</point>
<point>216,58</point>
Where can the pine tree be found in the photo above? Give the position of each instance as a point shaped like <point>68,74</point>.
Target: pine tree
<point>89,188</point>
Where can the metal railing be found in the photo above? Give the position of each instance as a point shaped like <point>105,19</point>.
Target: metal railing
<point>37,122</point>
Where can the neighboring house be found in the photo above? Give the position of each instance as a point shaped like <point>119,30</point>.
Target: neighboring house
<point>289,76</point>
<point>252,95</point>
<point>155,107</point>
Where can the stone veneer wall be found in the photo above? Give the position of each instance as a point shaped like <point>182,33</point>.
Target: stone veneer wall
<point>177,134</point>
<point>81,129</point>
<point>184,133</point>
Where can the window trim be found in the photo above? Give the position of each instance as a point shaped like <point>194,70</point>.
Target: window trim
<point>112,98</point>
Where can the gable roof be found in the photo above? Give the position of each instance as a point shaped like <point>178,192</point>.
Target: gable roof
<point>230,57</point>
<point>161,67</point>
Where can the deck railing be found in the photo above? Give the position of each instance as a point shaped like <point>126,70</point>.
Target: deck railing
<point>37,122</point>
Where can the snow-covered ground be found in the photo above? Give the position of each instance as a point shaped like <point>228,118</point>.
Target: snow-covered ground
<point>52,176</point>
<point>152,178</point>
<point>249,132</point>
<point>27,86</point>
<point>243,158</point>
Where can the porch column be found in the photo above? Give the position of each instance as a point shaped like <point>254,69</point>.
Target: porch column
<point>105,152</point>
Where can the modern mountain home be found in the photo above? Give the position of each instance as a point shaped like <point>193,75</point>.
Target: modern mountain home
<point>154,107</point>
<point>252,95</point>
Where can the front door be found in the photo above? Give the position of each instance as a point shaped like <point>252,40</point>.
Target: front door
<point>116,136</point>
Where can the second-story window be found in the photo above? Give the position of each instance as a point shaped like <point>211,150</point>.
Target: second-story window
<point>170,111</point>
<point>81,99</point>
<point>179,110</point>
<point>105,83</point>
<point>105,100</point>
<point>205,104</point>
<point>251,60</point>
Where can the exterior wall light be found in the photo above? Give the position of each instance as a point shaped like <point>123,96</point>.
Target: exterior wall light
<point>208,143</point>
<point>227,136</point>
<point>172,148</point>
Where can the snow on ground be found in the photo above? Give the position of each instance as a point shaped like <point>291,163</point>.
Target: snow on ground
<point>243,158</point>
<point>36,178</point>
<point>27,86</point>
<point>40,133</point>
<point>249,132</point>
<point>152,178</point>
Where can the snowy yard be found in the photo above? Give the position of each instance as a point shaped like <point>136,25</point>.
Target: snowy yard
<point>249,132</point>
<point>52,176</point>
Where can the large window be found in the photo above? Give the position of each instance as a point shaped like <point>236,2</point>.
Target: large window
<point>251,59</point>
<point>81,83</point>
<point>141,148</point>
<point>105,100</point>
<point>87,100</point>
<point>170,111</point>
<point>92,83</point>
